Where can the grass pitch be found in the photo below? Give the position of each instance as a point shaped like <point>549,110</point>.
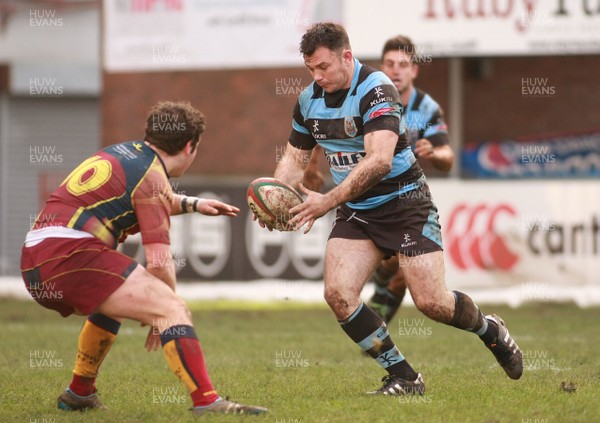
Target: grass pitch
<point>295,360</point>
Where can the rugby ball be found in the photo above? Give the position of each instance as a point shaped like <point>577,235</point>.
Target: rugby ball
<point>271,200</point>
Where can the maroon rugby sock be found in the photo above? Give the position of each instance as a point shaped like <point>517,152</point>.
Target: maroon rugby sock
<point>83,386</point>
<point>95,339</point>
<point>185,358</point>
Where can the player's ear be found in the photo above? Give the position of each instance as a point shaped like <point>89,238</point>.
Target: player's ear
<point>190,147</point>
<point>347,55</point>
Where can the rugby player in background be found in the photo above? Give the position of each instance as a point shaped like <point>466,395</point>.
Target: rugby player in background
<point>71,251</point>
<point>428,137</point>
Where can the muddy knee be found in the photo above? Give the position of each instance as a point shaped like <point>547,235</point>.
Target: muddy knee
<point>433,309</point>
<point>333,298</point>
<point>341,305</point>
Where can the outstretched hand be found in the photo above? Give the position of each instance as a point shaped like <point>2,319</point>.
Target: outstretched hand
<point>216,208</point>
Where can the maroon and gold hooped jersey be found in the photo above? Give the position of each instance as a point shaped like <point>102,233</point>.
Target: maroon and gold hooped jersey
<point>120,190</point>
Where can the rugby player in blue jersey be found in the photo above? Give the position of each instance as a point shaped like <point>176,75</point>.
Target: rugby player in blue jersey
<point>383,204</point>
<point>427,135</point>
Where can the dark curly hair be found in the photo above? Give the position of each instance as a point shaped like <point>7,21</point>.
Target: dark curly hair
<point>324,34</point>
<point>170,125</point>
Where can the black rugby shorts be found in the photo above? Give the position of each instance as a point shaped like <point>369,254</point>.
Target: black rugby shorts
<point>408,224</point>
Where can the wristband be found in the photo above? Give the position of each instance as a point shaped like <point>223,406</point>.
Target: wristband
<point>189,204</point>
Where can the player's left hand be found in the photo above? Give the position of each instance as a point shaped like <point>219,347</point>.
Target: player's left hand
<point>313,179</point>
<point>216,208</point>
<point>261,223</point>
<point>314,206</point>
<point>152,340</point>
<point>424,149</point>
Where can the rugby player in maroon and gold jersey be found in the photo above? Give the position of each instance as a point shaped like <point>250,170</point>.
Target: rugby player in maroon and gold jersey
<point>70,263</point>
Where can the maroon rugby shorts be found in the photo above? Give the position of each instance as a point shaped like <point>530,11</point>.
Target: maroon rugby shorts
<point>69,275</point>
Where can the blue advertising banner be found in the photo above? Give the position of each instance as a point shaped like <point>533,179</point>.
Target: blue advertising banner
<point>561,156</point>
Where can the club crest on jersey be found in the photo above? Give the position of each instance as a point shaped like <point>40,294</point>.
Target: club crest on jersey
<point>350,126</point>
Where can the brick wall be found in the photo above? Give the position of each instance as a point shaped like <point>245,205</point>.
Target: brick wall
<point>246,118</point>
<point>497,109</point>
<point>249,111</point>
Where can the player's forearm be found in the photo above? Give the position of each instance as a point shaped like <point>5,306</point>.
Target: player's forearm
<point>290,170</point>
<point>176,205</point>
<point>312,167</point>
<point>163,269</point>
<point>313,162</point>
<point>313,178</point>
<point>363,177</point>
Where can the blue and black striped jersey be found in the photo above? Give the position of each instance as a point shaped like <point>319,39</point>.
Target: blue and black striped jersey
<point>424,118</point>
<point>339,122</point>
